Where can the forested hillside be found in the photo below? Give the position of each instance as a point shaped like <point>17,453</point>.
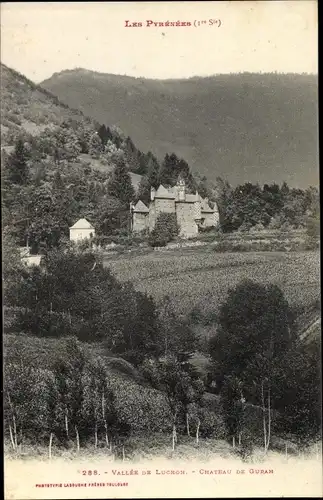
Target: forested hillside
<point>243,127</point>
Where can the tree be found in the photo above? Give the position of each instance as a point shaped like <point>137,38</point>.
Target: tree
<point>120,185</point>
<point>165,230</point>
<point>173,167</point>
<point>231,398</point>
<point>73,294</point>
<point>135,159</point>
<point>247,206</point>
<point>111,215</point>
<point>102,133</point>
<point>254,320</point>
<point>176,338</point>
<point>69,374</point>
<point>224,196</point>
<point>95,145</point>
<point>17,164</point>
<point>313,228</point>
<point>254,331</point>
<point>204,187</point>
<point>11,268</point>
<point>181,389</point>
<point>140,336</point>
<point>297,391</point>
<point>150,179</point>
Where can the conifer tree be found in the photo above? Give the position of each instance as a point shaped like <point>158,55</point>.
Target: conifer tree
<point>150,179</point>
<point>95,146</point>
<point>17,167</point>
<point>120,185</point>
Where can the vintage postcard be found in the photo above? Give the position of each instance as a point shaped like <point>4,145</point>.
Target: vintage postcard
<point>160,250</point>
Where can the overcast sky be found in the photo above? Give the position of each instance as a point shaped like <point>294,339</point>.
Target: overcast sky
<point>38,39</point>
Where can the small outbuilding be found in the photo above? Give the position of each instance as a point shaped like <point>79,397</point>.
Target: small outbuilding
<point>81,230</point>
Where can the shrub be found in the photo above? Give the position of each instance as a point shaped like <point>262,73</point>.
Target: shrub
<point>15,119</point>
<point>157,239</point>
<point>257,227</point>
<point>207,229</point>
<point>121,238</point>
<point>165,230</point>
<point>313,228</point>
<point>245,227</point>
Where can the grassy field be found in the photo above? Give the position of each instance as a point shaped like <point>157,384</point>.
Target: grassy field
<point>139,449</point>
<point>202,277</point>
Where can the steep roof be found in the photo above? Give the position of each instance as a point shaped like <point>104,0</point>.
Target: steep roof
<point>140,207</point>
<point>164,193</point>
<point>205,207</point>
<point>82,224</point>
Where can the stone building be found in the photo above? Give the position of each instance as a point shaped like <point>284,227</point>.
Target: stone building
<point>192,211</point>
<point>81,230</point>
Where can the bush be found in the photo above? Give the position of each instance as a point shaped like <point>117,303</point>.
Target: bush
<point>245,227</point>
<point>15,119</point>
<point>165,230</point>
<point>121,238</point>
<point>157,240</point>
<point>257,227</point>
<point>313,228</point>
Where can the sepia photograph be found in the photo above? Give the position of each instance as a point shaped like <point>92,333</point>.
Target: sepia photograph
<point>160,250</point>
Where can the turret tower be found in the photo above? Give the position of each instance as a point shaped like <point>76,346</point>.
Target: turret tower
<point>181,189</point>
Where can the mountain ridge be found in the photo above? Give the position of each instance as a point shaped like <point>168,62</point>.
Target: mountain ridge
<point>243,127</point>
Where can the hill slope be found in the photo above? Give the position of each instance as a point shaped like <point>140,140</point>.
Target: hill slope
<point>244,127</point>
<point>28,107</point>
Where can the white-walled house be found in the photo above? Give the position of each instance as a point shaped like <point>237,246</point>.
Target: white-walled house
<point>27,259</point>
<point>81,230</point>
<point>31,260</point>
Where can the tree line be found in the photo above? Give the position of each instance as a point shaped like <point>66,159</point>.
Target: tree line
<point>46,187</point>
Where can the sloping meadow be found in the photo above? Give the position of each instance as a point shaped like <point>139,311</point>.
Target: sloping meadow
<point>201,278</point>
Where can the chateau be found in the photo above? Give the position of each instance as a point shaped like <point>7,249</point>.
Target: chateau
<point>192,211</point>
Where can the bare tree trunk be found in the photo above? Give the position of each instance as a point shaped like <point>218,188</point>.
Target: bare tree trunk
<point>77,439</point>
<point>239,437</point>
<point>233,442</point>
<point>197,431</point>
<point>50,445</point>
<point>174,436</point>
<point>286,452</point>
<point>264,416</point>
<point>15,431</point>
<point>21,438</point>
<point>11,437</point>
<point>269,420</point>
<point>123,454</point>
<point>66,423</point>
<point>96,436</point>
<point>104,420</point>
<point>187,425</point>
<point>106,433</point>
